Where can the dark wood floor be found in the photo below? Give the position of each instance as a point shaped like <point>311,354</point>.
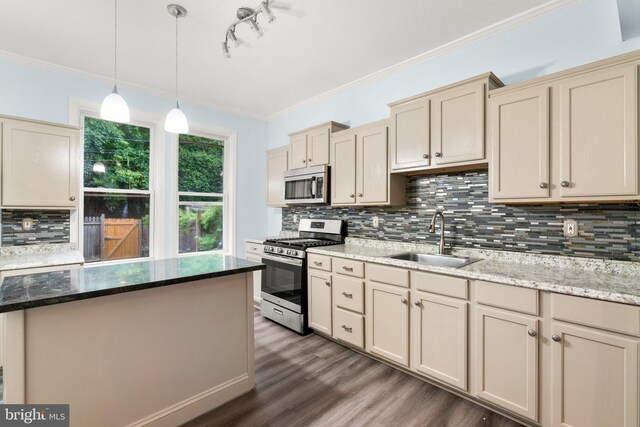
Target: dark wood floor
<point>311,381</point>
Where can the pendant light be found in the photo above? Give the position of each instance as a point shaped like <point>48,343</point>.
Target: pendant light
<point>114,107</point>
<point>176,121</point>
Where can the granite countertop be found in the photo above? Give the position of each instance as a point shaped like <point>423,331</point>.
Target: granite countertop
<point>23,257</point>
<point>77,283</point>
<point>604,280</point>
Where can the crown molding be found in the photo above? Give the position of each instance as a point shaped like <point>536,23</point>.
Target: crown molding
<point>493,29</point>
<point>49,66</point>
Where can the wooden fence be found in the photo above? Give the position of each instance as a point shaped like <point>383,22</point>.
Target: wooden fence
<point>112,238</point>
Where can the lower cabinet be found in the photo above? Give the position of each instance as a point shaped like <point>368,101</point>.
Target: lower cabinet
<point>387,321</point>
<point>439,338</point>
<point>506,371</point>
<point>594,378</point>
<point>319,288</point>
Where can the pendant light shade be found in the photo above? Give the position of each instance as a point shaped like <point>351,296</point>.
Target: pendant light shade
<point>114,107</point>
<point>176,121</point>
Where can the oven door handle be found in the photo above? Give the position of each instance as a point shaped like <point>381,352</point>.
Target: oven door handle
<point>290,261</point>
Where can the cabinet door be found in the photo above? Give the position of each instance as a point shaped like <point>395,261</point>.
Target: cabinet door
<point>343,169</point>
<point>388,322</point>
<point>507,361</point>
<point>457,124</point>
<point>372,166</point>
<point>410,137</point>
<point>39,165</point>
<point>320,301</point>
<point>594,378</point>
<point>277,160</point>
<point>439,327</point>
<point>318,147</point>
<point>598,133</point>
<point>520,145</point>
<point>298,151</point>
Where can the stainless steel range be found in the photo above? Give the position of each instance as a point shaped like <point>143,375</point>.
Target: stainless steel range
<point>284,282</point>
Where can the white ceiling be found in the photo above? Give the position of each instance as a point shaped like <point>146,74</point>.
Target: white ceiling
<point>312,47</point>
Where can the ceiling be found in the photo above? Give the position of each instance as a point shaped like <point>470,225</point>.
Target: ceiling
<point>312,47</point>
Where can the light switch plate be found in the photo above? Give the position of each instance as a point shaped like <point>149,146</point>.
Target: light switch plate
<point>27,224</point>
<point>570,228</point>
<point>375,222</point>
<point>295,218</point>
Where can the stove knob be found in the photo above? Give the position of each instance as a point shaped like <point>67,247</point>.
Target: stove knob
<point>280,250</point>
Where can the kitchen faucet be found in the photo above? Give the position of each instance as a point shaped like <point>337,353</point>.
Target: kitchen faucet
<point>432,229</point>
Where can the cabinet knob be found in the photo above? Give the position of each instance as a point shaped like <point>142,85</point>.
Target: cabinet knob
<point>564,184</point>
<point>403,300</point>
<point>532,333</point>
<point>359,194</point>
<point>352,195</point>
<point>304,161</point>
<point>72,198</point>
<point>309,159</point>
<point>328,283</point>
<point>543,185</point>
<point>556,338</point>
<point>417,303</point>
<point>425,156</point>
<point>438,154</point>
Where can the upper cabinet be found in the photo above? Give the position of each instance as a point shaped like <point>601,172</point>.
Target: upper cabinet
<point>277,160</point>
<point>568,137</point>
<point>442,128</point>
<point>360,173</point>
<point>39,165</point>
<point>310,147</point>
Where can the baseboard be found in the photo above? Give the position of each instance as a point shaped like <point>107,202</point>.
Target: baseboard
<point>197,405</point>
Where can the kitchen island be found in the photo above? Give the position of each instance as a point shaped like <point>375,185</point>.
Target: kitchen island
<point>154,342</point>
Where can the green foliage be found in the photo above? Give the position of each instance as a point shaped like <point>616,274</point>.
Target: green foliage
<point>200,164</point>
<point>209,234</point>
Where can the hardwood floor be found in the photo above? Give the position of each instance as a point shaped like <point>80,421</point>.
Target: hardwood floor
<point>311,381</point>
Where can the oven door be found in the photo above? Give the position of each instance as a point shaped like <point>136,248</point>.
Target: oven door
<point>283,281</point>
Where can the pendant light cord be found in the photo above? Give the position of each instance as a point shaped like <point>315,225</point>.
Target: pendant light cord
<point>177,60</point>
<point>115,44</point>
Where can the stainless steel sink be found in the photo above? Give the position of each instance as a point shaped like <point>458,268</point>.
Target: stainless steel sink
<point>436,260</point>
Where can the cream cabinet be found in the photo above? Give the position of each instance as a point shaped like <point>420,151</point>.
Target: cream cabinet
<point>360,172</point>
<point>277,163</point>
<point>320,302</point>
<point>387,322</point>
<point>443,128</point>
<point>39,165</point>
<point>310,147</point>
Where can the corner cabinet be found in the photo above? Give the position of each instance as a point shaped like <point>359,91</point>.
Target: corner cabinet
<point>310,147</point>
<point>39,165</point>
<point>277,161</point>
<point>443,128</point>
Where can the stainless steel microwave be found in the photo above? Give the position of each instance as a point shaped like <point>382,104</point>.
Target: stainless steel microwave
<point>308,186</point>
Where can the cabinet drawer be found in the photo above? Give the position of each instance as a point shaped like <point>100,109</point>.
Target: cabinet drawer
<point>348,293</point>
<point>254,248</point>
<point>348,327</point>
<point>508,297</point>
<point>390,275</point>
<point>349,267</point>
<point>606,315</point>
<point>320,262</point>
<point>442,285</point>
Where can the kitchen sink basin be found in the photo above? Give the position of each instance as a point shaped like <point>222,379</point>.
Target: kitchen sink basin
<point>436,260</point>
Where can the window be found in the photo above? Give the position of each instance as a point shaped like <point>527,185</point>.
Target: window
<point>117,196</point>
<point>202,204</point>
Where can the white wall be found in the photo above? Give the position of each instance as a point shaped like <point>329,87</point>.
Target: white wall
<point>37,93</point>
<point>583,33</point>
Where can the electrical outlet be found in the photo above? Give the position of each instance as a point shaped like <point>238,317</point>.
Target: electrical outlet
<point>570,228</point>
<point>295,218</point>
<point>375,221</point>
<point>27,224</point>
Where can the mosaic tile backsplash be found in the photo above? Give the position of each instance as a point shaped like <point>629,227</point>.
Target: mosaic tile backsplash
<point>48,227</point>
<point>608,231</point>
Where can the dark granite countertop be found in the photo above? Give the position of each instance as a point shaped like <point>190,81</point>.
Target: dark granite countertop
<point>72,284</point>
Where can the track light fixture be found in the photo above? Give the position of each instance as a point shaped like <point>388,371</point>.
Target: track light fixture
<point>250,16</point>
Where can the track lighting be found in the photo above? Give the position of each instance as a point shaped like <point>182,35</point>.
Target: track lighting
<point>250,16</point>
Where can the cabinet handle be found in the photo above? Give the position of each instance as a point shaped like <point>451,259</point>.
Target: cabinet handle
<point>556,338</point>
<point>346,328</point>
<point>304,161</point>
<point>417,303</point>
<point>425,156</point>
<point>328,283</point>
<point>318,263</point>
<point>347,295</point>
<point>72,198</point>
<point>532,333</point>
<point>345,268</point>
<point>254,249</point>
<point>352,195</point>
<point>403,300</point>
<point>438,154</point>
<point>564,184</point>
<point>359,194</point>
<point>543,185</point>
